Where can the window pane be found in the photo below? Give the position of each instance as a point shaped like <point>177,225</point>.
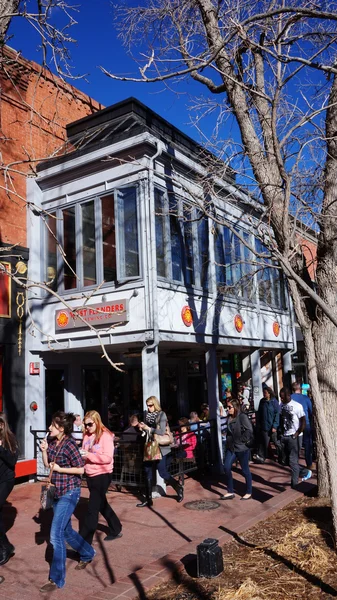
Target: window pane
<point>188,246</point>
<point>128,234</point>
<point>176,241</point>
<point>51,263</point>
<point>5,291</point>
<point>237,269</point>
<point>248,269</point>
<point>160,232</point>
<point>220,267</point>
<point>109,238</point>
<point>88,243</point>
<point>229,253</point>
<point>69,246</point>
<point>203,251</point>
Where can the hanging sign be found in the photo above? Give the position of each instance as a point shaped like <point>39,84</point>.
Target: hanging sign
<point>276,328</point>
<point>116,311</point>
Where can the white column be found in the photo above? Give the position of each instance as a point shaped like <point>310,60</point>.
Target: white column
<point>288,376</point>
<point>150,373</point>
<point>255,366</point>
<point>213,403</point>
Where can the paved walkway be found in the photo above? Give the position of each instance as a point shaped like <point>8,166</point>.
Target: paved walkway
<point>154,541</point>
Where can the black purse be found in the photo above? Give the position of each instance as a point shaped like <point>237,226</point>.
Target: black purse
<point>48,489</point>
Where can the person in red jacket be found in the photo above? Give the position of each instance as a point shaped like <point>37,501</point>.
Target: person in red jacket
<point>98,453</point>
<point>186,440</point>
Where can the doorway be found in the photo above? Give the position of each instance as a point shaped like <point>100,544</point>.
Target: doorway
<point>54,390</point>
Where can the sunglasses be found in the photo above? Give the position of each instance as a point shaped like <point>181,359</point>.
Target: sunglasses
<point>150,405</point>
<point>88,424</point>
<point>230,407</point>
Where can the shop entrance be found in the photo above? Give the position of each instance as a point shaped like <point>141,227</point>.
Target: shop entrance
<point>54,390</point>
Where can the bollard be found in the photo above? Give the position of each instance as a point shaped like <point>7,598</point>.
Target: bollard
<point>209,558</point>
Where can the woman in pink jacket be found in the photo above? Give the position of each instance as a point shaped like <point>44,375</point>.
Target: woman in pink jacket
<point>98,452</point>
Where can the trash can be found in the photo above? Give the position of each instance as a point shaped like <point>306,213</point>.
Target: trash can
<point>209,558</point>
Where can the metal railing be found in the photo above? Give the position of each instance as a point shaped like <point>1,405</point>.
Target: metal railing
<point>129,450</point>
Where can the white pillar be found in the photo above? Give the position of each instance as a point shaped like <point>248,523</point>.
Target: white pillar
<point>255,366</point>
<point>213,403</point>
<point>150,373</point>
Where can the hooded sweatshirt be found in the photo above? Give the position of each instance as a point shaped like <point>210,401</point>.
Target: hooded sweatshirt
<point>100,455</point>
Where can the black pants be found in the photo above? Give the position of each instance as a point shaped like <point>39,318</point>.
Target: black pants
<point>292,448</point>
<point>98,487</point>
<point>5,489</point>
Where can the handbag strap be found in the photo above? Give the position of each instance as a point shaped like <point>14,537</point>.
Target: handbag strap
<point>52,468</point>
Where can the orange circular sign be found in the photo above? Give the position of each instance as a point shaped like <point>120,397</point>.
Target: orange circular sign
<point>238,322</point>
<point>276,328</point>
<point>186,315</point>
<point>62,319</point>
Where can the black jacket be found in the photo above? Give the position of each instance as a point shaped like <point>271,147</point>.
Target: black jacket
<point>239,430</point>
<point>8,461</point>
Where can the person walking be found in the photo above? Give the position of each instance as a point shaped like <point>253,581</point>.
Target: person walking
<point>306,404</point>
<point>239,434</point>
<point>155,422</point>
<point>98,453</point>
<point>63,456</point>
<point>292,424</point>
<point>8,457</point>
<point>267,422</point>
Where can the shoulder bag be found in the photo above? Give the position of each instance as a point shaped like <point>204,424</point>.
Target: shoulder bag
<point>167,438</point>
<point>151,449</point>
<point>247,436</point>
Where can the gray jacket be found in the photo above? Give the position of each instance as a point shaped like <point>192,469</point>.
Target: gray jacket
<point>160,429</point>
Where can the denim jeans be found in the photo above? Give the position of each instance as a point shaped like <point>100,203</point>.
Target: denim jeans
<point>161,465</point>
<point>243,458</point>
<point>62,532</point>
<point>292,447</point>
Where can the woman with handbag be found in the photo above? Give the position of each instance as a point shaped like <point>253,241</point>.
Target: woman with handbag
<point>156,425</point>
<point>239,436</point>
<point>63,457</point>
<point>98,453</point>
<point>8,457</point>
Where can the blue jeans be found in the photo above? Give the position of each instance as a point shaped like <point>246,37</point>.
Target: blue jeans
<point>62,532</point>
<point>243,458</point>
<point>161,465</point>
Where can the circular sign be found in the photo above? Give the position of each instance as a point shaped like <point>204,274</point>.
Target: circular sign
<point>238,322</point>
<point>276,328</point>
<point>62,319</point>
<point>186,315</point>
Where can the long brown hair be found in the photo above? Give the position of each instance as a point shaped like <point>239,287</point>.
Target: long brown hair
<point>7,437</point>
<point>236,405</point>
<point>96,417</point>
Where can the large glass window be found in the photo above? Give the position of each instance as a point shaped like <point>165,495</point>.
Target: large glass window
<point>89,243</point>
<point>69,246</point>
<point>98,241</point>
<point>181,241</point>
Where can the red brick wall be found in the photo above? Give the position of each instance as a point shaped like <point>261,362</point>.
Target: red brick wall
<point>309,249</point>
<point>35,107</point>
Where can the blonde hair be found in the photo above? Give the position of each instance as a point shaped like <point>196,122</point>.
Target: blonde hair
<point>155,402</point>
<point>100,428</point>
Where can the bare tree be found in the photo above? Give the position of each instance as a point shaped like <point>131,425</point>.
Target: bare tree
<point>271,67</point>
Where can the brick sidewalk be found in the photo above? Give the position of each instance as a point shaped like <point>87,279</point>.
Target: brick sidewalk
<point>154,540</point>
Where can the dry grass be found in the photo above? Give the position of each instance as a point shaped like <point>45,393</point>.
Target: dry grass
<point>301,546</point>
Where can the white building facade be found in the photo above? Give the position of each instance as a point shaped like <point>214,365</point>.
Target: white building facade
<point>140,273</point>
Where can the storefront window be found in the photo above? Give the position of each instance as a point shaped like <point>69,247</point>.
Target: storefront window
<point>98,241</point>
<point>89,243</point>
<point>69,245</point>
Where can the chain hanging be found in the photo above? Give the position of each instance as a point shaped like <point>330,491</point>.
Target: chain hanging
<point>20,302</point>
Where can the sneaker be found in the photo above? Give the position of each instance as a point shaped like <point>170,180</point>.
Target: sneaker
<point>110,538</point>
<point>48,587</point>
<point>307,476</point>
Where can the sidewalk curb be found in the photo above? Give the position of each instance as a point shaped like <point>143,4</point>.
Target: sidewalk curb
<point>163,569</point>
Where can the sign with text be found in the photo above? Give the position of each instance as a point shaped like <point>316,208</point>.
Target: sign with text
<point>95,314</point>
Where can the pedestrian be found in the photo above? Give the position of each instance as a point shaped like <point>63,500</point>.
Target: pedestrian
<point>62,454</point>
<point>267,422</point>
<point>98,453</point>
<point>185,439</point>
<point>8,457</point>
<point>292,424</point>
<point>155,422</point>
<point>306,404</point>
<point>78,430</point>
<point>238,440</point>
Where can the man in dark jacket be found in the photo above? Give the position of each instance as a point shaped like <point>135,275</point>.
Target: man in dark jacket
<point>267,422</point>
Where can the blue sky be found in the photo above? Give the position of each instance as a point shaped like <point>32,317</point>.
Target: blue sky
<point>98,44</point>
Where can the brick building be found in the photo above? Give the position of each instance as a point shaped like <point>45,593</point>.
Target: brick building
<point>35,107</point>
